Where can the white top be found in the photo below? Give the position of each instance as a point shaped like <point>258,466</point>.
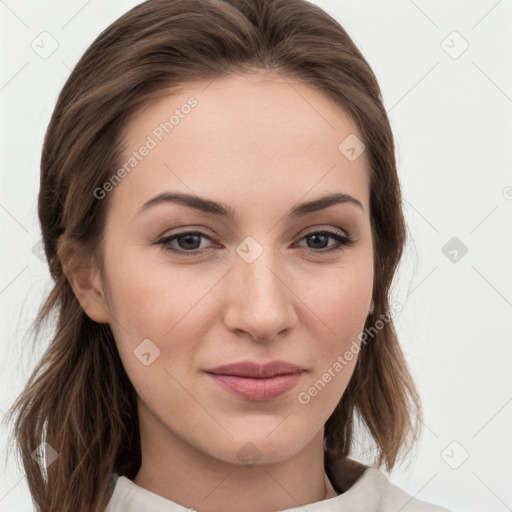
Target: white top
<point>372,492</point>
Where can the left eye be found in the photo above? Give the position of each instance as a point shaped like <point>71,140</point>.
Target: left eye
<point>189,241</point>
<point>319,237</point>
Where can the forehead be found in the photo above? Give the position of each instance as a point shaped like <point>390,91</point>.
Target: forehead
<point>259,136</point>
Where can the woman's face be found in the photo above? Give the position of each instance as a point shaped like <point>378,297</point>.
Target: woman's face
<point>256,285</point>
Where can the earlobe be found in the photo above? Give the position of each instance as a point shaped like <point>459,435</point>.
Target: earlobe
<point>84,278</point>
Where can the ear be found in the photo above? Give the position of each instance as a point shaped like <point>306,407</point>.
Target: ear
<point>84,278</point>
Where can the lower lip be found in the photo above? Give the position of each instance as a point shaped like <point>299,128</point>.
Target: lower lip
<point>257,389</point>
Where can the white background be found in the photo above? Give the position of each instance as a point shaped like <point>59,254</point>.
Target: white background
<point>451,115</point>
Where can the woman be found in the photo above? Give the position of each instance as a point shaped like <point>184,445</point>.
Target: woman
<point>222,217</point>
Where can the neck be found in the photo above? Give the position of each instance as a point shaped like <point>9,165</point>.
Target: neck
<point>186,475</point>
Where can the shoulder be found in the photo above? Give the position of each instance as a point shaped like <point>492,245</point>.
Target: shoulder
<point>368,485</point>
<point>393,498</point>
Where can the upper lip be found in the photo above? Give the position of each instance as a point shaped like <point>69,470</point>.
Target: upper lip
<point>255,370</point>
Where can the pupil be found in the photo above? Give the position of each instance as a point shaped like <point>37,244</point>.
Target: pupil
<point>313,237</point>
<point>190,239</point>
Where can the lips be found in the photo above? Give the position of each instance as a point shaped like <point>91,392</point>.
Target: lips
<point>252,381</point>
<point>255,370</point>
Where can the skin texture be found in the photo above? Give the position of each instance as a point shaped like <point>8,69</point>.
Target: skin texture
<point>261,144</point>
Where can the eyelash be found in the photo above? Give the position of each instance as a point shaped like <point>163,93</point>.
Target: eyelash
<point>345,242</point>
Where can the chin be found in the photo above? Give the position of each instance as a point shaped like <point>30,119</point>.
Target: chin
<point>258,449</point>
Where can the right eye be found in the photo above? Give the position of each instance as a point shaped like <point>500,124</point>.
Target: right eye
<point>187,239</point>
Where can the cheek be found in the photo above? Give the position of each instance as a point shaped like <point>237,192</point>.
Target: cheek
<point>339,302</point>
<point>152,310</point>
<point>152,301</point>
<point>338,311</point>
<point>147,297</point>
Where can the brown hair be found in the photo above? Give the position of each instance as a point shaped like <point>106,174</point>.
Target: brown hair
<point>79,398</point>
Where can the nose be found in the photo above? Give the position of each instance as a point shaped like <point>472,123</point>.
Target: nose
<point>260,301</point>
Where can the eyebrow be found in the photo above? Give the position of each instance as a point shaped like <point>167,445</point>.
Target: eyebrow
<point>223,210</point>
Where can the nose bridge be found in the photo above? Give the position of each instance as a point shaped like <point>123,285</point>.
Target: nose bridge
<point>261,279</point>
<point>260,302</point>
<point>255,260</point>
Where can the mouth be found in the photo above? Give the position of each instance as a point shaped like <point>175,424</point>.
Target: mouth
<point>256,370</point>
<point>253,381</point>
<point>257,389</point>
